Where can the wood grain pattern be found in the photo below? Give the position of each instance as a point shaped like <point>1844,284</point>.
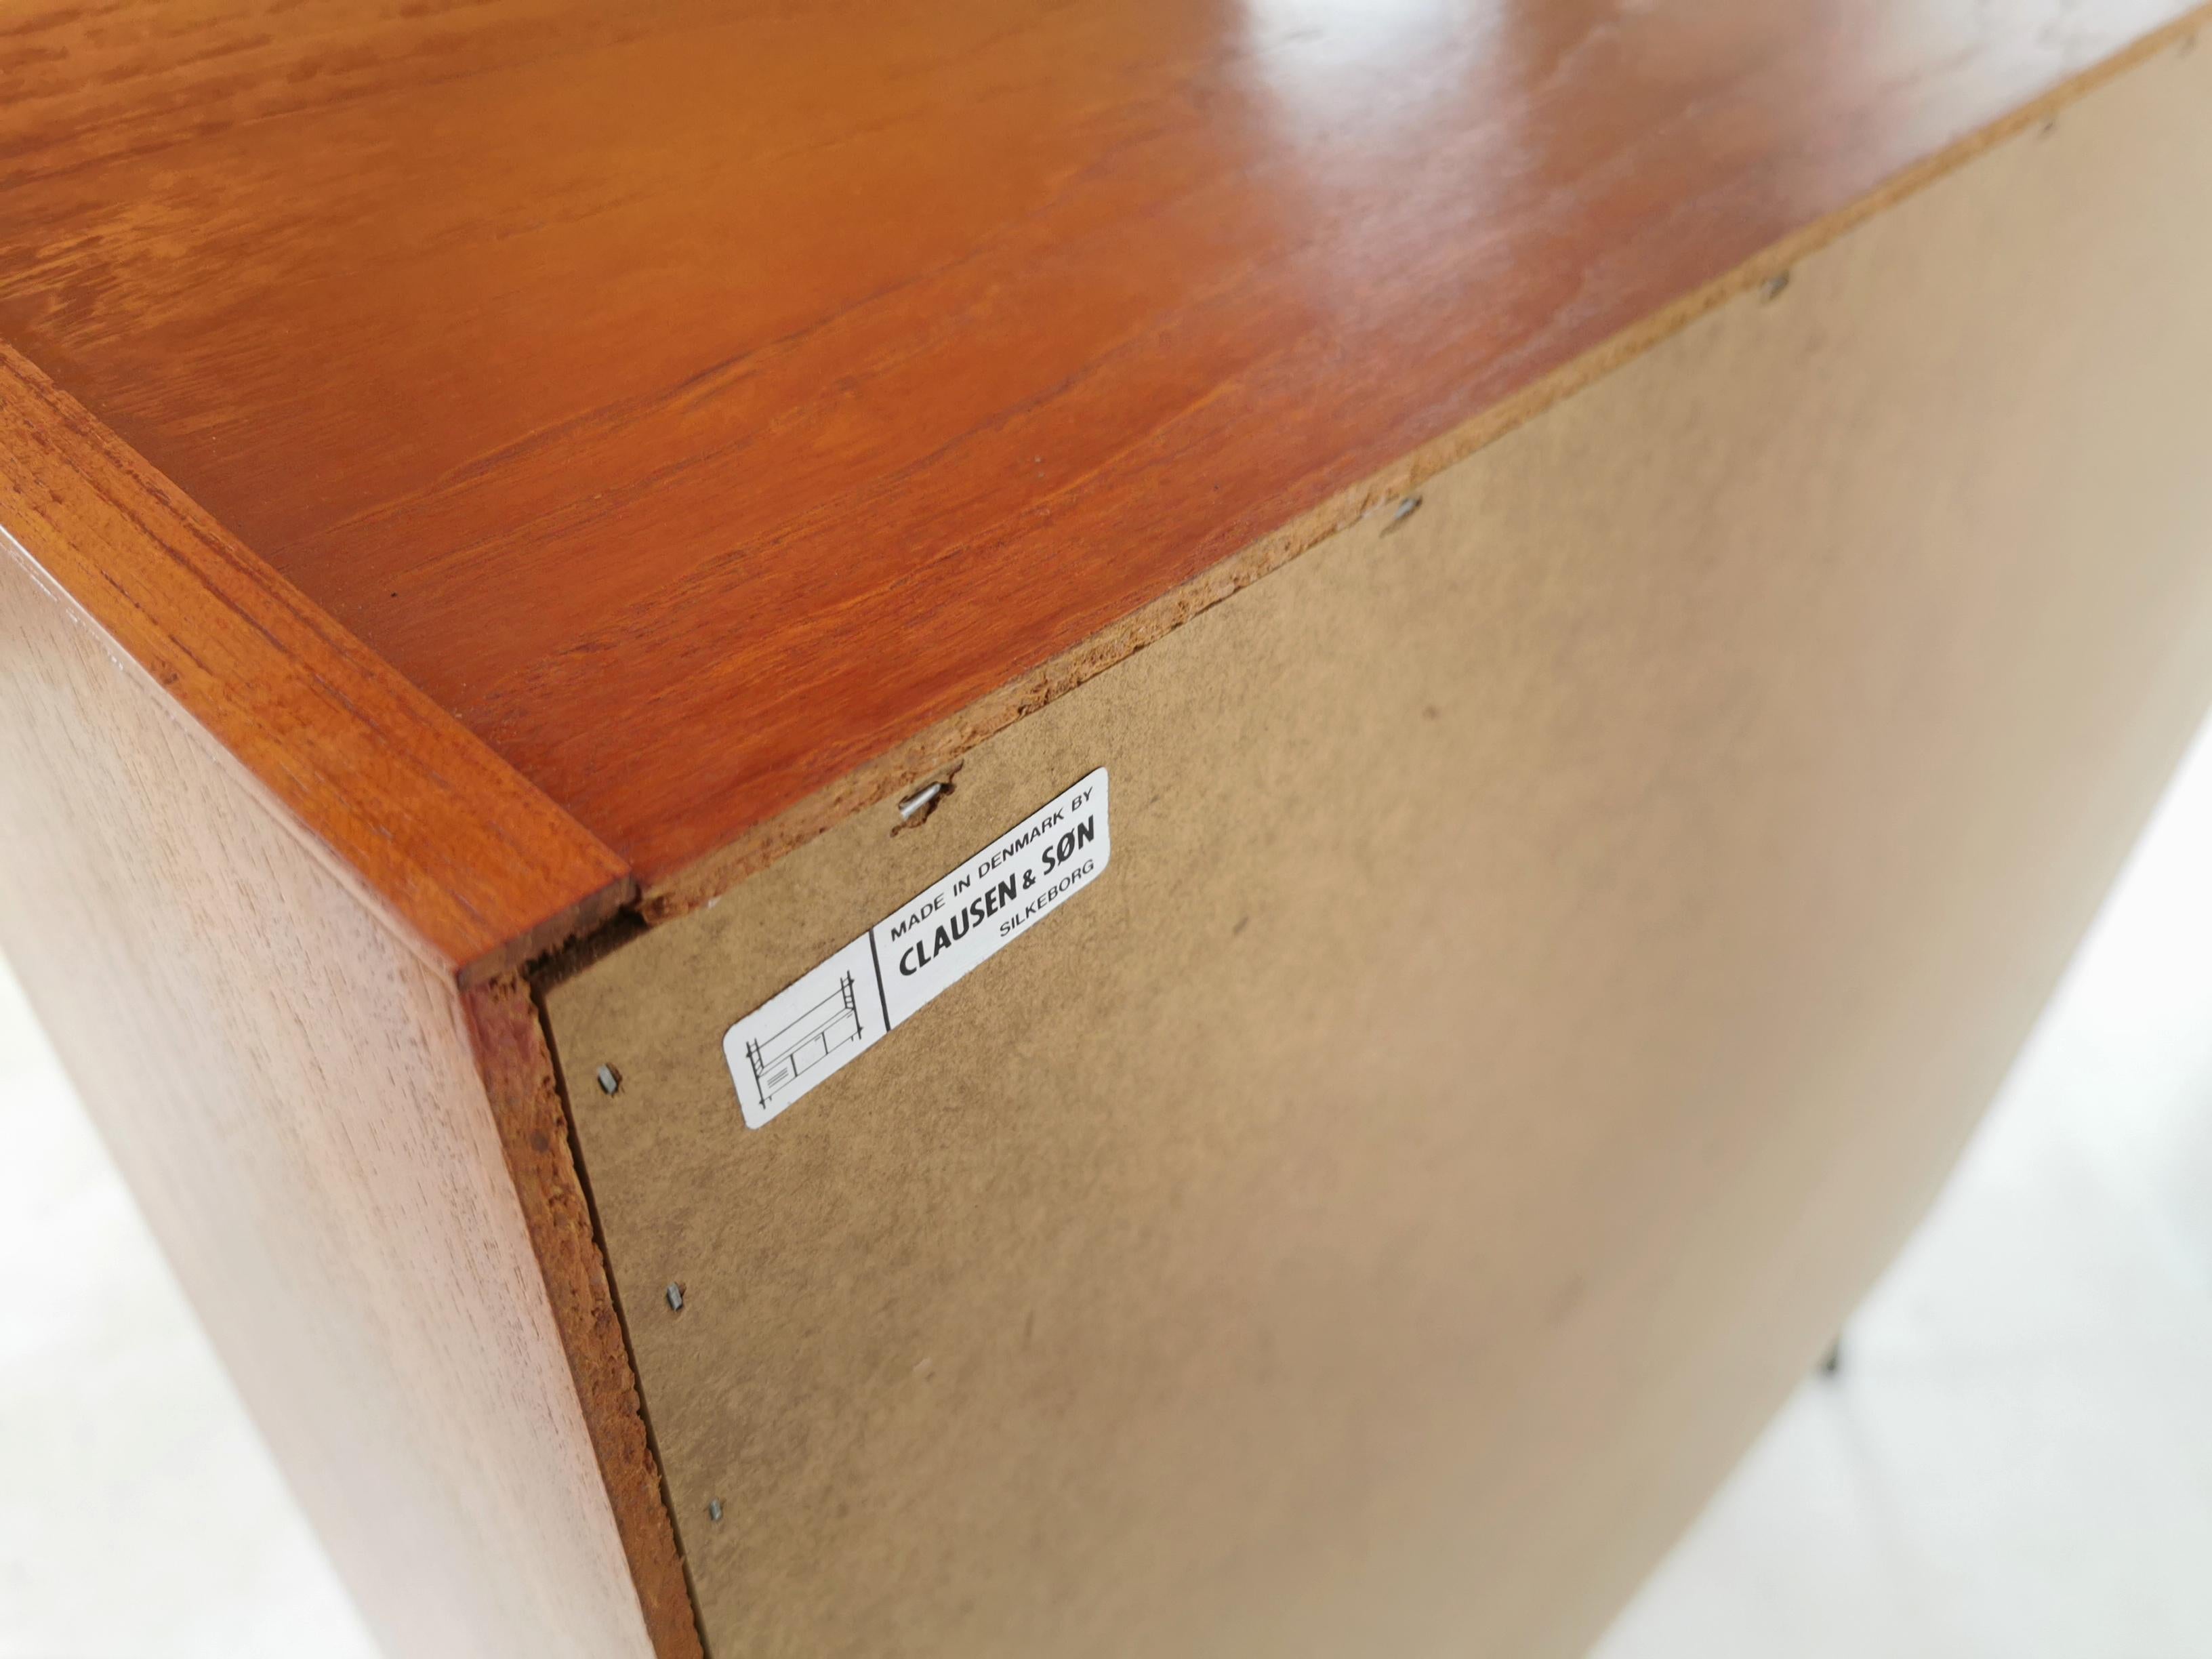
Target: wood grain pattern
<point>423,821</point>
<point>1552,952</point>
<point>533,1128</point>
<point>701,401</point>
<point>289,1088</point>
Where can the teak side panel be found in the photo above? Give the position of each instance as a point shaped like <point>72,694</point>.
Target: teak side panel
<point>1552,950</point>
<point>412,811</point>
<point>532,1119</point>
<point>289,1089</point>
<point>701,400</point>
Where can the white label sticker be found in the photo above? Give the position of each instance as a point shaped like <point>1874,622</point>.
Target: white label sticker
<point>831,1016</point>
<point>805,1032</point>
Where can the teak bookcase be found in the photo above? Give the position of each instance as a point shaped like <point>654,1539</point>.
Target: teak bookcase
<point>1634,571</point>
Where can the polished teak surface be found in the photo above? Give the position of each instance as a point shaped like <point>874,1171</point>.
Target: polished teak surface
<point>700,401</point>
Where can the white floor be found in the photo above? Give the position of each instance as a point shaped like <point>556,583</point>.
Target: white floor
<point>140,1517</point>
<point>2014,1461</point>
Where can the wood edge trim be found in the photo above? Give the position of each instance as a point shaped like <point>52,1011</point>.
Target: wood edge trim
<point>929,753</point>
<point>530,1108</point>
<point>587,917</point>
<point>73,615</point>
<point>441,838</point>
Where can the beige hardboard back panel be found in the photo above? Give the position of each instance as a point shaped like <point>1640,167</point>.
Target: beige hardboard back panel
<point>288,1088</point>
<point>1554,946</point>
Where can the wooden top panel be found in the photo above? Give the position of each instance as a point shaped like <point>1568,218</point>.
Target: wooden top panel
<point>472,866</point>
<point>699,400</point>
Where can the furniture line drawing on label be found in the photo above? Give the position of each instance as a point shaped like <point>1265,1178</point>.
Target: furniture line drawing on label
<point>780,1061</point>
